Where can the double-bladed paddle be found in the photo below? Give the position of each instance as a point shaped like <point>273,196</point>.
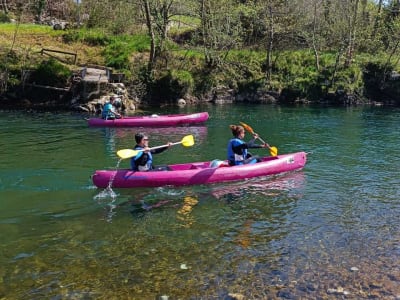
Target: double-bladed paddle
<point>186,141</point>
<point>272,150</point>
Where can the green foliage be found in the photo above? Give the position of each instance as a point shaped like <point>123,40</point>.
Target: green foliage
<point>377,78</point>
<point>174,84</point>
<point>31,29</point>
<point>4,18</point>
<point>10,63</point>
<point>88,37</point>
<point>38,7</point>
<point>119,51</point>
<point>351,78</point>
<point>231,26</point>
<point>205,82</point>
<point>51,73</point>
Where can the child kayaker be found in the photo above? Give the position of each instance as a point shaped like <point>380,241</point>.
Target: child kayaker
<point>143,161</point>
<point>109,110</point>
<point>238,149</point>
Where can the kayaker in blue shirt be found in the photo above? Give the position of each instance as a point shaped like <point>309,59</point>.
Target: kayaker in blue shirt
<point>143,161</point>
<point>109,111</point>
<point>238,153</point>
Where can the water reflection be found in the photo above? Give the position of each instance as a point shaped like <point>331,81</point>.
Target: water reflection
<point>184,214</point>
<point>110,140</point>
<point>271,186</point>
<point>184,199</point>
<point>115,136</point>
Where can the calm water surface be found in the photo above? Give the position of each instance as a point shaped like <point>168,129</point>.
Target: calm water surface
<point>330,231</point>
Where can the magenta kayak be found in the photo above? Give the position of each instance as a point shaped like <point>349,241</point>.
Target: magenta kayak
<point>199,173</point>
<point>152,120</point>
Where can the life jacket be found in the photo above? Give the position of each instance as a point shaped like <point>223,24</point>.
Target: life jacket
<point>107,112</point>
<point>234,158</point>
<point>149,162</point>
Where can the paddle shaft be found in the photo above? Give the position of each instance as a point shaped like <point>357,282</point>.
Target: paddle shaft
<point>162,146</point>
<point>273,150</point>
<point>262,141</point>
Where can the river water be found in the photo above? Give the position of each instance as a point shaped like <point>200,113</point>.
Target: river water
<point>330,231</point>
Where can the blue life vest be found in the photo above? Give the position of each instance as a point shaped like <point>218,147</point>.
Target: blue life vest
<point>107,112</point>
<point>237,159</point>
<point>149,162</point>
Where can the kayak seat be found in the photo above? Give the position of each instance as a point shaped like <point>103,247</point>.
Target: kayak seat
<point>192,167</point>
<point>216,163</point>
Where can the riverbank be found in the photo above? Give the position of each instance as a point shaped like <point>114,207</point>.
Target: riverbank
<point>240,79</point>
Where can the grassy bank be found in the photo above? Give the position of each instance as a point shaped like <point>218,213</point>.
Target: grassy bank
<point>181,70</point>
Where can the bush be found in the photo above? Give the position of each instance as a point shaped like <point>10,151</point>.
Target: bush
<point>51,73</point>
<point>119,50</point>
<point>173,85</point>
<point>88,37</point>
<point>4,18</point>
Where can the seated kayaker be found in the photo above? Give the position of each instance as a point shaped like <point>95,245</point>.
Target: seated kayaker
<point>238,149</point>
<point>143,161</point>
<point>109,110</point>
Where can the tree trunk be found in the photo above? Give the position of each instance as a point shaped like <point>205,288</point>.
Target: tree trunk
<point>337,62</point>
<point>4,6</point>
<point>206,24</point>
<point>352,35</point>
<point>377,20</point>
<point>270,45</point>
<point>152,55</point>
<point>314,44</point>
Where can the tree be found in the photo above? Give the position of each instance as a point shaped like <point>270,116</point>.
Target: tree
<point>220,30</point>
<point>158,14</point>
<point>276,14</point>
<point>4,6</point>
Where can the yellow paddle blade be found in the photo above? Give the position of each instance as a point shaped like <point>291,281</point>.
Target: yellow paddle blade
<point>127,153</point>
<point>247,127</point>
<point>188,141</point>
<point>273,151</point>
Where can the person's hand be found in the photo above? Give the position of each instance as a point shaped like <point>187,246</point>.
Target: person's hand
<point>255,135</point>
<point>169,144</point>
<point>146,149</point>
<point>265,145</point>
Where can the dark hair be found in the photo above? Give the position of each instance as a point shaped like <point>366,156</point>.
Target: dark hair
<point>236,129</point>
<point>138,137</point>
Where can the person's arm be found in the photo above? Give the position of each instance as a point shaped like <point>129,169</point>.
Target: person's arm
<point>238,149</point>
<point>159,150</point>
<point>251,144</point>
<point>114,111</point>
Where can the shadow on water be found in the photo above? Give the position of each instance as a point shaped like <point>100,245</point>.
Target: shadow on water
<point>142,201</point>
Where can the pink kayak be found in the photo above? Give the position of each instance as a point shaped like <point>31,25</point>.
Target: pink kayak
<point>199,172</point>
<point>152,120</point>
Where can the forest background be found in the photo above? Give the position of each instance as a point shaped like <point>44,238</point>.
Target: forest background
<point>337,52</point>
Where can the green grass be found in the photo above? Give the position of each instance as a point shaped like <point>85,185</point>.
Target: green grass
<point>9,28</point>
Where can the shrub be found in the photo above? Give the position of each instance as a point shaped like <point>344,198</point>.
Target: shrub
<point>51,73</point>
<point>88,37</point>
<point>173,85</point>
<point>4,18</point>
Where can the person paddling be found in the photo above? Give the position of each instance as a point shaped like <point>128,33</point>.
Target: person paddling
<point>237,149</point>
<point>109,111</point>
<point>143,161</point>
